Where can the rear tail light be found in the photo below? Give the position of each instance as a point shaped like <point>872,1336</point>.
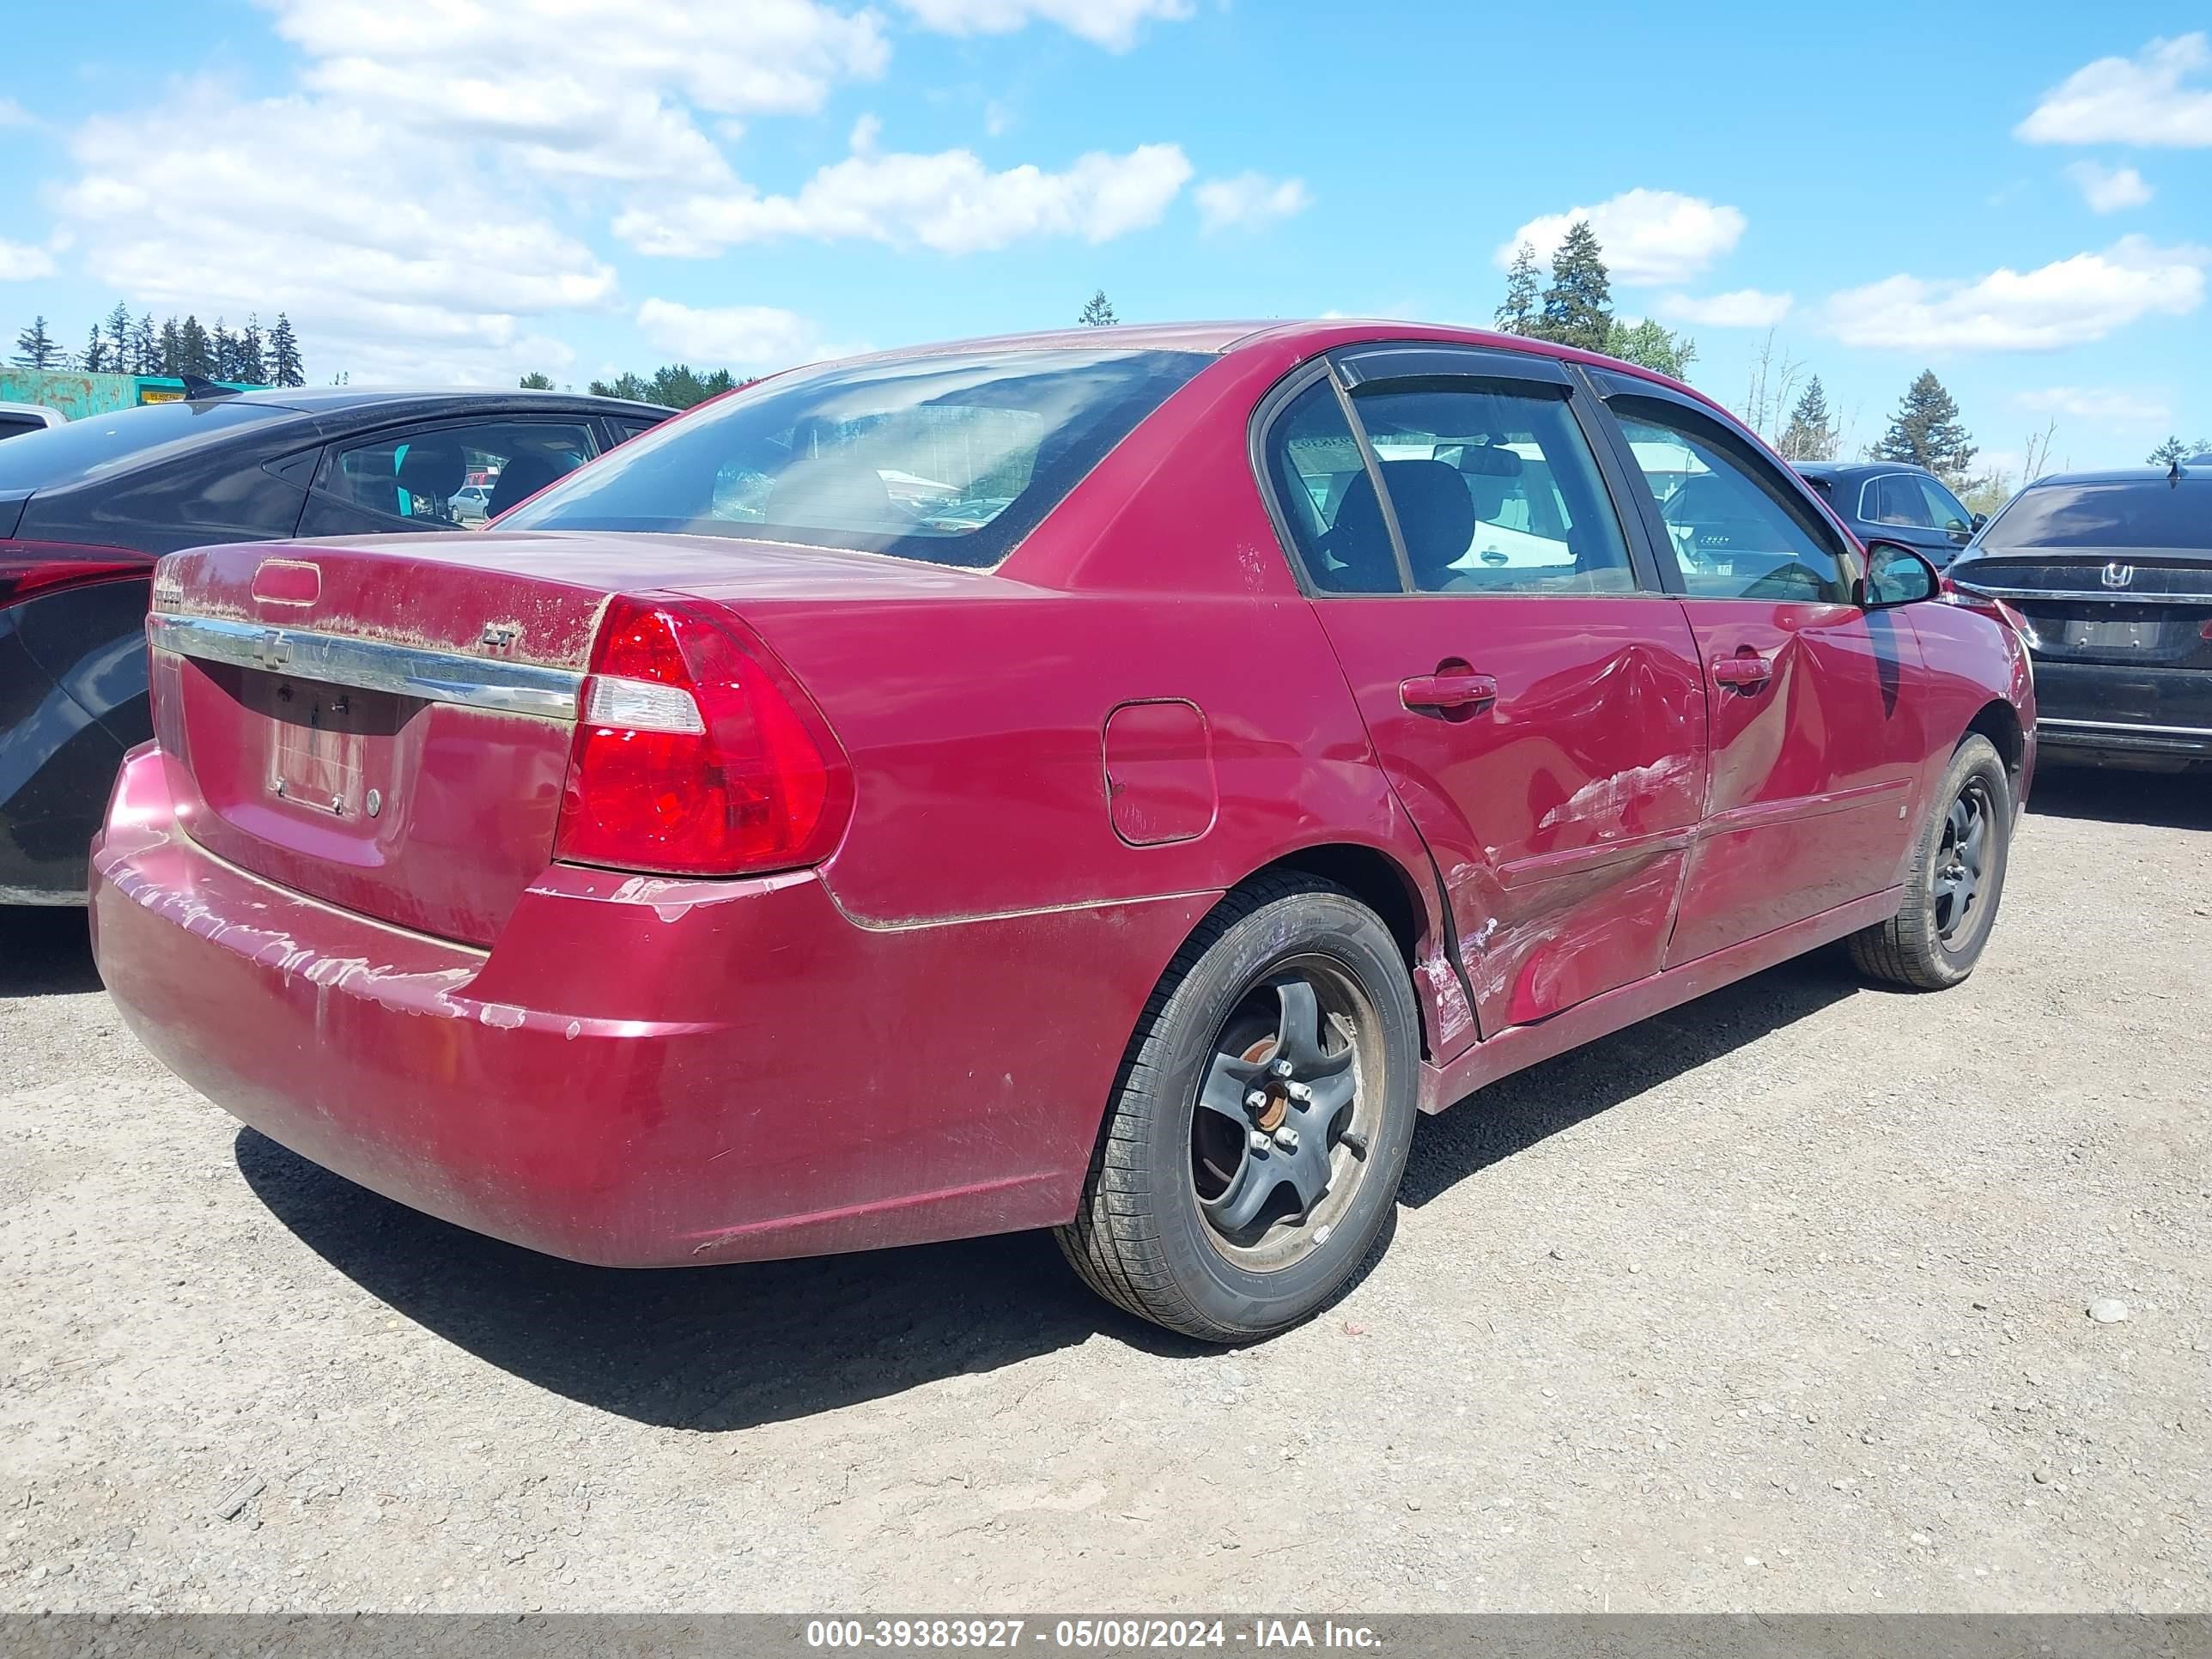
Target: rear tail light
<point>696,753</point>
<point>30,569</point>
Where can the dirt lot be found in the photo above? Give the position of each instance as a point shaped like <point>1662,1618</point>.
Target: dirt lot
<point>1778,1301</point>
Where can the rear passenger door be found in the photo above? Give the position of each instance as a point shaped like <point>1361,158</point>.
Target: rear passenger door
<point>1536,702</point>
<point>1815,739</point>
<point>405,478</point>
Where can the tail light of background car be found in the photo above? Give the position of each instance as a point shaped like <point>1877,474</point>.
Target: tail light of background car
<point>696,753</point>
<point>29,570</point>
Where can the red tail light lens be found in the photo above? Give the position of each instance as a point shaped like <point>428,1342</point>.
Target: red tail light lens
<point>28,569</point>
<point>697,753</point>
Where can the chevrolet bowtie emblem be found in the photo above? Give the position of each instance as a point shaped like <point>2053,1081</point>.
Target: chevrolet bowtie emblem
<point>271,650</point>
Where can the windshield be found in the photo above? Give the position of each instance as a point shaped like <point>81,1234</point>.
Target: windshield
<point>2140,513</point>
<point>951,460</point>
<point>102,443</point>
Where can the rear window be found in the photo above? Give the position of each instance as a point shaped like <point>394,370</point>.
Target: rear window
<point>100,443</point>
<point>2145,513</point>
<point>951,460</point>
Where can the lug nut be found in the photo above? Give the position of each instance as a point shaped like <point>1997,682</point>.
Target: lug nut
<point>1256,1101</point>
<point>1287,1138</point>
<point>1258,1140</point>
<point>1297,1091</point>
<point>1280,1067</point>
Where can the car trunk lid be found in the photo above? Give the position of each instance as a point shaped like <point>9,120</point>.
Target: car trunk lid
<point>2119,607</point>
<point>385,724</point>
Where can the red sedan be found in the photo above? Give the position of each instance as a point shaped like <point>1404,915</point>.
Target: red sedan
<point>1109,781</point>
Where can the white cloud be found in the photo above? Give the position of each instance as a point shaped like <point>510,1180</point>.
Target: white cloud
<point>391,260</point>
<point>733,336</point>
<point>2067,302</point>
<point>1744,307</point>
<point>19,262</point>
<point>2108,189</point>
<point>2091,403</point>
<point>1650,236</point>
<point>1111,23</point>
<point>1250,199</point>
<point>948,201</point>
<point>13,114</point>
<point>2132,100</point>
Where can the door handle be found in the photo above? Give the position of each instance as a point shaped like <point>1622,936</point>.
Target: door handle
<point>1746,672</point>
<point>1449,691</point>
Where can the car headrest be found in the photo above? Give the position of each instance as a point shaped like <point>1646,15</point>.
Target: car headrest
<point>432,466</point>
<point>823,492</point>
<point>523,478</point>
<point>1436,514</point>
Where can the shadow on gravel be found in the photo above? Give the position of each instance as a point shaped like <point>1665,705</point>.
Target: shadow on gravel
<point>44,951</point>
<point>1515,1113</point>
<point>702,1348</point>
<point>2177,800</point>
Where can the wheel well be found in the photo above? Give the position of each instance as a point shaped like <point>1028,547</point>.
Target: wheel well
<point>1376,879</point>
<point>2000,724</point>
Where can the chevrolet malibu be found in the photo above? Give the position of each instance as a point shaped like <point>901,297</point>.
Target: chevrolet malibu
<point>1112,783</point>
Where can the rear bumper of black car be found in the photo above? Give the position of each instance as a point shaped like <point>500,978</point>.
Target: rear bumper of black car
<point>2121,715</point>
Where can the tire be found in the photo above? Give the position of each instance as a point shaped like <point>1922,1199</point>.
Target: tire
<point>1166,1227</point>
<point>1932,943</point>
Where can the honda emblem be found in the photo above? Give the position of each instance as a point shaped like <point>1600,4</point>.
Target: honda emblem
<point>2117,575</point>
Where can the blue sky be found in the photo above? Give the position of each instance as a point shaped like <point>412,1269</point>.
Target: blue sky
<point>2018,195</point>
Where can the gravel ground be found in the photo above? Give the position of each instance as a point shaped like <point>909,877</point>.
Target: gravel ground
<point>1777,1302</point>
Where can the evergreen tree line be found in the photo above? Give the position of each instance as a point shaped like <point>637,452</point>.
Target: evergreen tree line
<point>119,345</point>
<point>672,386</point>
<point>1575,307</point>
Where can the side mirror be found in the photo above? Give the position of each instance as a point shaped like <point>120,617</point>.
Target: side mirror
<point>1895,576</point>
<point>1979,520</point>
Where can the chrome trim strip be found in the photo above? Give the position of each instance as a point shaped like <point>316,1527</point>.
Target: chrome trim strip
<point>2127,725</point>
<point>2102,595</point>
<point>372,665</point>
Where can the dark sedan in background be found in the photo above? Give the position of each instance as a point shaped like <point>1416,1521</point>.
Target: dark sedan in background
<point>85,509</point>
<point>2113,573</point>
<point>1894,501</point>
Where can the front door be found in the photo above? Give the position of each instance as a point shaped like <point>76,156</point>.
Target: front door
<point>1535,703</point>
<point>1815,743</point>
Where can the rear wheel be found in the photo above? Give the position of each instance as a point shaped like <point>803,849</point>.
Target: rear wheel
<point>1957,877</point>
<point>1253,1149</point>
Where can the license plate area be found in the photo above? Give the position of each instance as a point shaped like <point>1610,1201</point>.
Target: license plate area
<point>2103,634</point>
<point>324,743</point>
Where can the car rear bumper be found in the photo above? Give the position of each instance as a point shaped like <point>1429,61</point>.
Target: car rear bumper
<point>2084,709</point>
<point>640,1073</point>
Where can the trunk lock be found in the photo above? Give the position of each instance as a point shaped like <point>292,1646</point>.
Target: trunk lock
<point>374,803</point>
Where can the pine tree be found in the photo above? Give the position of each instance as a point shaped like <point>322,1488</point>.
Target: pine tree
<point>1811,435</point>
<point>193,357</point>
<point>223,352</point>
<point>173,348</point>
<point>535,381</point>
<point>1926,431</point>
<point>35,348</point>
<point>145,347</point>
<point>1518,314</point>
<point>1653,346</point>
<point>1098,312</point>
<point>1578,304</point>
<point>118,354</point>
<point>284,366</point>
<point>2173,450</point>
<point>253,362</point>
<point>94,359</point>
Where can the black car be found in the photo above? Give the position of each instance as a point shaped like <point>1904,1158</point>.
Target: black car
<point>85,508</point>
<point>2113,573</point>
<point>1892,501</point>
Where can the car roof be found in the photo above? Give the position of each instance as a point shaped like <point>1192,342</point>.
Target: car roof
<point>340,399</point>
<point>1855,469</point>
<point>2199,474</point>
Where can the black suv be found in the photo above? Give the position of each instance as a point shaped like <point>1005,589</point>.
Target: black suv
<point>1895,501</point>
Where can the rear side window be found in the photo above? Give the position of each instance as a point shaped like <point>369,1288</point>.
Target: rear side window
<point>1321,484</point>
<point>2126,514</point>
<point>1897,499</point>
<point>1495,490</point>
<point>445,476</point>
<point>947,459</point>
<point>103,443</point>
